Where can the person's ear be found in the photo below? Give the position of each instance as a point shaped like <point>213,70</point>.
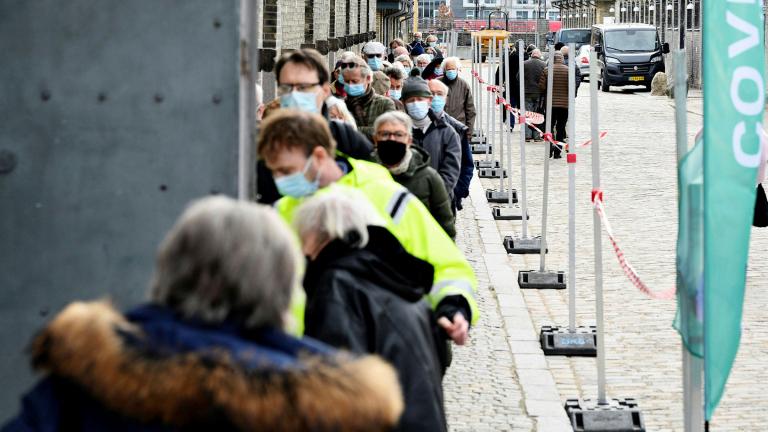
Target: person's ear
<point>326,88</point>
<point>319,153</point>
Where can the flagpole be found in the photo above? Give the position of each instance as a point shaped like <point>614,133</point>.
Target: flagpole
<point>693,406</point>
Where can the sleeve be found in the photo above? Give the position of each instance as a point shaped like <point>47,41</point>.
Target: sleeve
<point>451,163</point>
<point>543,80</point>
<point>330,319</point>
<point>351,142</point>
<point>469,110</point>
<point>423,238</point>
<point>440,204</point>
<point>467,169</point>
<point>40,410</point>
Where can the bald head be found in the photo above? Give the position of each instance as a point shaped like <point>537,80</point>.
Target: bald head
<point>437,87</point>
<point>564,51</point>
<point>536,53</point>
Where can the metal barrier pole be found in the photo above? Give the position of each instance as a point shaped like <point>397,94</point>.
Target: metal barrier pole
<point>548,131</point>
<point>508,128</point>
<point>523,198</point>
<point>571,188</point>
<point>489,116</point>
<point>501,124</point>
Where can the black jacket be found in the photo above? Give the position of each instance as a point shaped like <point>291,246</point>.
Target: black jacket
<point>348,141</point>
<point>370,301</point>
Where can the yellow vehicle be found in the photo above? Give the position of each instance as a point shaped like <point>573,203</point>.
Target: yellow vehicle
<point>492,35</point>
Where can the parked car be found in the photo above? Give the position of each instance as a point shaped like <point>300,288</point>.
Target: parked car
<point>582,60</point>
<point>627,54</point>
<point>579,36</point>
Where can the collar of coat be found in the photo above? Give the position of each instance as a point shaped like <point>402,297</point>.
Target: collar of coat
<point>86,344</point>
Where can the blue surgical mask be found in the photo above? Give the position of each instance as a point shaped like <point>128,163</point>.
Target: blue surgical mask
<point>430,44</point>
<point>439,71</point>
<point>417,110</point>
<point>407,71</point>
<point>395,94</point>
<point>340,78</point>
<point>296,185</point>
<point>438,103</point>
<point>375,63</point>
<point>303,101</point>
<point>354,89</point>
<point>451,74</point>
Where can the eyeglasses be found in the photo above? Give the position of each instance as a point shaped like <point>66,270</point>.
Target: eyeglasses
<point>350,65</point>
<point>301,87</point>
<point>383,135</point>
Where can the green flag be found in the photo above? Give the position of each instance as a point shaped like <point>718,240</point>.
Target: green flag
<point>734,98</point>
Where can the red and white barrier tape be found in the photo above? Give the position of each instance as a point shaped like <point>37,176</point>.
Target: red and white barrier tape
<point>629,271</point>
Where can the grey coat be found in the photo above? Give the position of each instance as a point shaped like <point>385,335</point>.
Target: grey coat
<point>459,103</point>
<point>533,68</point>
<point>443,145</point>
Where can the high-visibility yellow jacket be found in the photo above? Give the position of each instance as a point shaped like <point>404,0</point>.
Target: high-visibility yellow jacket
<point>408,220</point>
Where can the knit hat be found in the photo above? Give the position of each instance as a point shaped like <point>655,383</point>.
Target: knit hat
<point>415,86</point>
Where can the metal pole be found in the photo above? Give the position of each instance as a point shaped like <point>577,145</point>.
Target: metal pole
<point>548,130</point>
<point>490,129</point>
<point>501,123</point>
<point>523,126</point>
<point>508,127</point>
<point>247,98</point>
<point>597,228</point>
<point>692,365</point>
<point>571,188</point>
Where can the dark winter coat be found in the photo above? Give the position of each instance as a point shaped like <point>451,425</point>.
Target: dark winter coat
<point>152,371</point>
<point>459,104</point>
<point>370,301</point>
<point>559,85</point>
<point>425,183</point>
<point>533,69</point>
<point>366,108</point>
<point>512,88</point>
<point>467,165</point>
<point>443,145</point>
<point>348,141</point>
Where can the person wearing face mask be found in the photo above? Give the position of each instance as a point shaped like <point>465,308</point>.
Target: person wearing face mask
<point>396,47</point>
<point>409,166</point>
<point>301,154</point>
<point>417,45</point>
<point>461,191</point>
<point>432,43</point>
<point>362,101</point>
<point>396,78</point>
<point>407,64</point>
<point>375,55</point>
<point>432,132</point>
<point>303,83</point>
<point>459,103</point>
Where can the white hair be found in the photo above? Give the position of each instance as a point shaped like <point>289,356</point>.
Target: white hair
<point>342,213</point>
<point>536,53</point>
<point>394,117</point>
<point>227,260</point>
<point>404,59</point>
<point>454,60</point>
<point>342,107</point>
<point>423,57</point>
<point>439,84</point>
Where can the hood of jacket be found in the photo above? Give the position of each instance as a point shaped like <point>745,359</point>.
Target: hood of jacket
<point>111,358</point>
<point>382,261</point>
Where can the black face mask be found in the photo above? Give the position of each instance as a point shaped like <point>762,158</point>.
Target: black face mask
<point>390,152</point>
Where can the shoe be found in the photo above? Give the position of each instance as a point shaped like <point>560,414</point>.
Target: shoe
<point>557,156</point>
<point>538,140</point>
<point>528,139</point>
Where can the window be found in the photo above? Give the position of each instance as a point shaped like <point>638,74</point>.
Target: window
<point>469,13</point>
<point>553,15</point>
<point>523,2</point>
<point>521,15</point>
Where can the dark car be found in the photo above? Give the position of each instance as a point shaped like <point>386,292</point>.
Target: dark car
<point>627,54</point>
<point>578,36</point>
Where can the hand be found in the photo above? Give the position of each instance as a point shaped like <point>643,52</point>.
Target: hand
<point>458,330</point>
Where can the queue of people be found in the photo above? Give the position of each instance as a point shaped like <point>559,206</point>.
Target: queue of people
<point>361,170</point>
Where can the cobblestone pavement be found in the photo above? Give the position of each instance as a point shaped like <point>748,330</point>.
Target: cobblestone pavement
<point>643,350</point>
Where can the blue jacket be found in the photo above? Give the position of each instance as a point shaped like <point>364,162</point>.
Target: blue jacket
<point>150,370</point>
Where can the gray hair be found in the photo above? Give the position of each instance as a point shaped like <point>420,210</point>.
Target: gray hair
<point>343,213</point>
<point>227,260</point>
<point>439,84</point>
<point>340,105</point>
<point>454,60</point>
<point>422,57</point>
<point>536,53</point>
<point>404,59</point>
<point>394,117</point>
<point>365,71</point>
<point>395,72</point>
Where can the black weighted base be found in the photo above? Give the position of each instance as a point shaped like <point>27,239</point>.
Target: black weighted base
<point>479,164</point>
<point>495,196</point>
<point>477,140</point>
<point>492,173</point>
<point>520,245</point>
<point>482,149</point>
<point>508,213</point>
<point>560,341</point>
<point>528,279</point>
<point>617,415</point>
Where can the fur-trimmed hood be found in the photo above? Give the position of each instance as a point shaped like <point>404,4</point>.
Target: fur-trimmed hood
<point>86,344</point>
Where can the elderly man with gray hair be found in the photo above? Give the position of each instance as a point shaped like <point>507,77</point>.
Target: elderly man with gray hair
<point>209,351</point>
<point>459,103</point>
<point>409,166</point>
<point>364,293</point>
<point>362,101</point>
